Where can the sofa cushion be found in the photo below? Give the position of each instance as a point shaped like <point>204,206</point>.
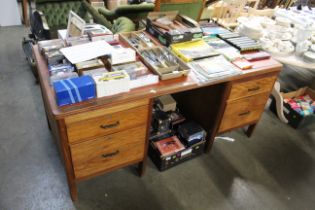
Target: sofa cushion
<point>57,13</point>
<point>122,24</point>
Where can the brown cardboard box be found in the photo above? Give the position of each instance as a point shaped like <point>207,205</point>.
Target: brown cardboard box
<point>296,120</point>
<point>192,31</point>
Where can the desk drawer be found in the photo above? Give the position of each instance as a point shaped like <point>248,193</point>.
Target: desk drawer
<point>106,124</point>
<point>243,111</point>
<point>107,153</point>
<point>252,87</point>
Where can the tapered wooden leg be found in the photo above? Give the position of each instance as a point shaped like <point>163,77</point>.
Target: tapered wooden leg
<point>141,168</point>
<point>73,190</point>
<point>142,165</point>
<point>209,142</point>
<point>48,124</point>
<point>250,130</point>
<point>65,151</point>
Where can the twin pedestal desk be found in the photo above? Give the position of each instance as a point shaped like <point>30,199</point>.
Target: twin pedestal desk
<point>104,134</point>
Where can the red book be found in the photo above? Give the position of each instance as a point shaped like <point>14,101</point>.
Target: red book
<point>169,146</point>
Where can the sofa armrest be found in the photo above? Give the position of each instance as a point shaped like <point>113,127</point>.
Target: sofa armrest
<point>110,14</point>
<point>97,17</point>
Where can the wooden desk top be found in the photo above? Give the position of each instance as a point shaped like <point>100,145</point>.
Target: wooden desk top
<point>152,91</point>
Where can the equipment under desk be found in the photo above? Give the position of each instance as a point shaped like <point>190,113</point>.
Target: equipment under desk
<point>108,133</point>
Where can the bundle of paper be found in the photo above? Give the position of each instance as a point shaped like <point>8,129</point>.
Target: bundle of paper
<point>95,72</point>
<point>50,49</point>
<point>193,50</point>
<point>50,45</point>
<point>139,74</point>
<point>88,65</point>
<point>98,32</point>
<point>214,67</point>
<point>77,40</point>
<point>134,69</point>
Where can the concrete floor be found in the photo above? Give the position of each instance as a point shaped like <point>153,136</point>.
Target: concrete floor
<point>275,169</point>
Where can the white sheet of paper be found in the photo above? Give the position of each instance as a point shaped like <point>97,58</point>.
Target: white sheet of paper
<point>88,51</point>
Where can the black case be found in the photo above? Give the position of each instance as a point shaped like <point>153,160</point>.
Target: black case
<point>164,163</point>
<point>188,130</point>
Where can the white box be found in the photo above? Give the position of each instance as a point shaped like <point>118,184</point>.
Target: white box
<point>112,83</point>
<point>122,55</point>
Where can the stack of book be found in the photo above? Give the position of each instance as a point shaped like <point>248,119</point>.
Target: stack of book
<point>213,68</point>
<point>193,50</point>
<point>98,32</point>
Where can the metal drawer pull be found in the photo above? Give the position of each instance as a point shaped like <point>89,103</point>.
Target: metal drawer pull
<point>110,154</point>
<point>253,89</point>
<point>244,113</point>
<point>113,125</point>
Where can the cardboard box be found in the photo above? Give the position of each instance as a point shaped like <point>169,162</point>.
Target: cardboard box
<point>164,163</point>
<point>294,118</point>
<point>112,83</point>
<point>74,90</point>
<point>136,41</point>
<point>178,70</point>
<point>192,31</point>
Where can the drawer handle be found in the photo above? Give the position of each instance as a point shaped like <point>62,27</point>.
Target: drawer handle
<point>253,89</point>
<point>110,154</point>
<point>244,113</point>
<point>113,125</point>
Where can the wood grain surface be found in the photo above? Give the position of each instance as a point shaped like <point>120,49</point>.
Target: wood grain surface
<point>252,87</point>
<point>106,124</point>
<point>109,151</point>
<point>243,111</point>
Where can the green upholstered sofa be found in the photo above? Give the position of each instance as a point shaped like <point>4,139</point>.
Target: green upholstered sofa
<point>135,12</point>
<point>191,8</point>
<point>54,16</point>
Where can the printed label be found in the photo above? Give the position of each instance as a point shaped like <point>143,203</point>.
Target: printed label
<point>186,152</point>
<point>179,37</point>
<point>195,36</point>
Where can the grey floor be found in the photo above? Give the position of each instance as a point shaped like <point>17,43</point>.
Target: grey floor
<point>275,169</point>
